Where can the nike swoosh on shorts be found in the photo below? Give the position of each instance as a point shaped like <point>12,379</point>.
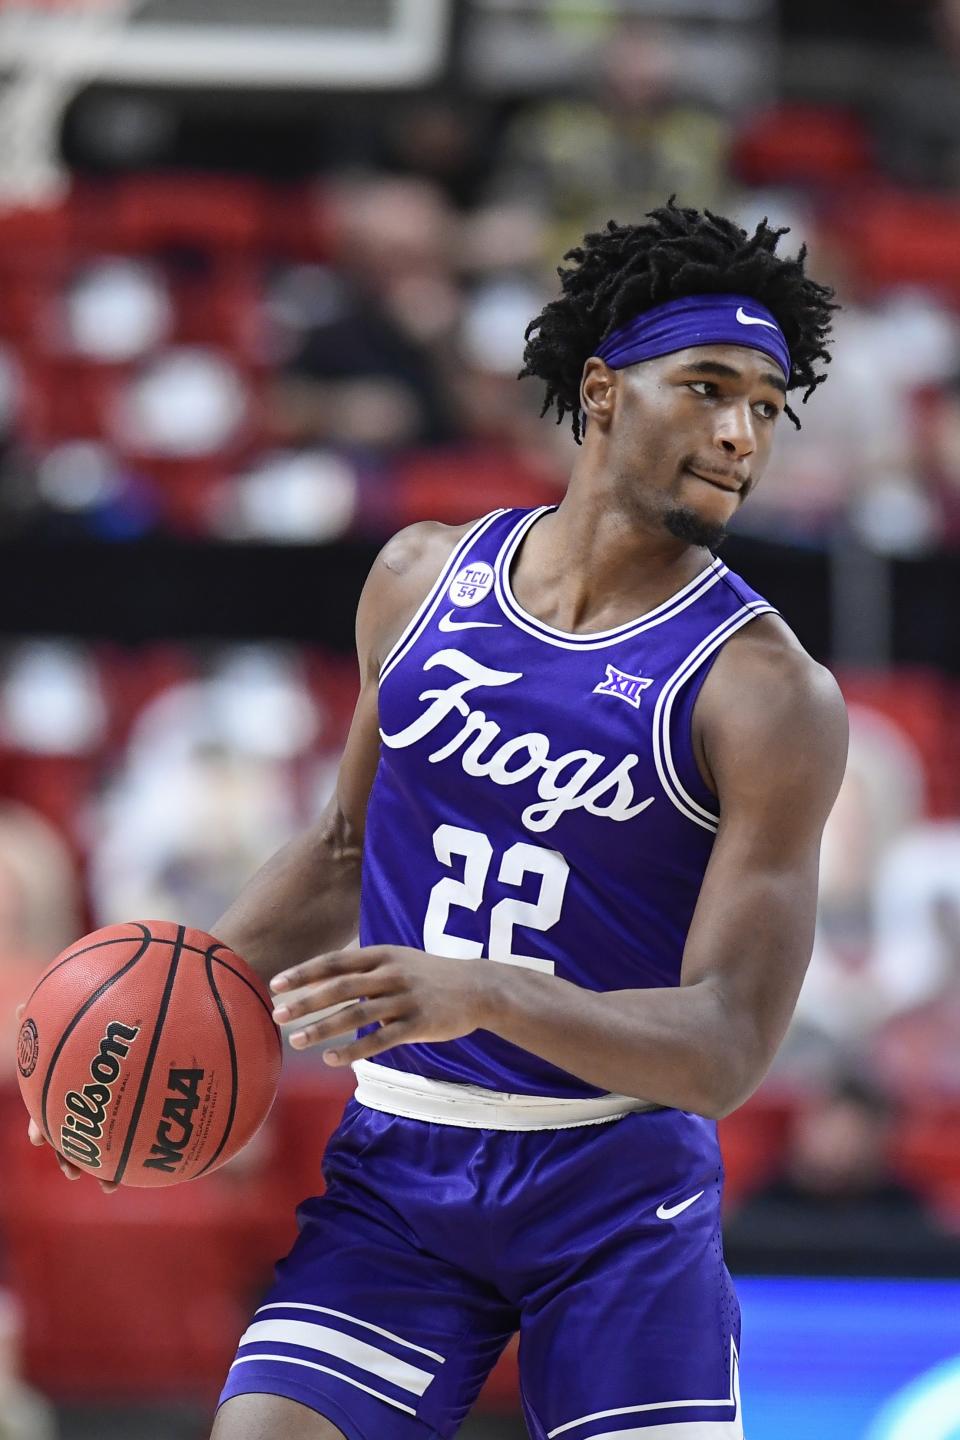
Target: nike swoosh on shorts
<point>447,622</point>
<point>667,1212</point>
<point>746,319</point>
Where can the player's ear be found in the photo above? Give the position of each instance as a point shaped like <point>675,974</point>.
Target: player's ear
<point>597,390</point>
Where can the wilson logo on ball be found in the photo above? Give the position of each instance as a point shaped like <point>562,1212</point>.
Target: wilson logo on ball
<point>175,1130</point>
<point>83,1127</point>
<point>28,1048</point>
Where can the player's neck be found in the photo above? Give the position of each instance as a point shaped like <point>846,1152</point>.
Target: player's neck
<point>591,566</point>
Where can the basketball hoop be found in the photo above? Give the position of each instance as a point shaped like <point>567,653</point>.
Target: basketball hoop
<point>54,47</point>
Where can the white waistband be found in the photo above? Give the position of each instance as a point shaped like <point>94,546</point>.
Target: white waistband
<point>416,1098</point>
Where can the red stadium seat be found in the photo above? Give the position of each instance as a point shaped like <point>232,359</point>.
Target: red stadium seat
<point>922,705</point>
<point>298,224</point>
<point>35,238</point>
<point>457,484</point>
<point>219,306</point>
<point>58,786</point>
<point>140,1294</point>
<point>501,1393</point>
<point>206,212</point>
<point>802,144</point>
<point>926,1152</point>
<point>186,490</point>
<point>897,237</point>
<point>26,309</point>
<point>69,399</point>
<point>752,1141</point>
<point>129,680</point>
<point>308,1109</point>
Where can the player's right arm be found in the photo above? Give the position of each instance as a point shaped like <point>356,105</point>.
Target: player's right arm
<point>306,898</point>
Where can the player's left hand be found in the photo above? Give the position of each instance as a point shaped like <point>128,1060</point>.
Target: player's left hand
<point>410,995</point>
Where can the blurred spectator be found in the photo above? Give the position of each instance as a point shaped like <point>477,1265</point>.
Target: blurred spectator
<point>835,1207</point>
<point>185,401</point>
<point>854,455</point>
<point>937,434</point>
<point>39,911</point>
<point>207,791</point>
<point>917,116</point>
<point>24,1414</point>
<point>366,373</point>
<point>917,882</point>
<point>447,138</point>
<point>918,1053</point>
<point>636,134</point>
<point>843,998</point>
<point>289,497</point>
<point>51,702</point>
<point>916,906</point>
<point>115,310</point>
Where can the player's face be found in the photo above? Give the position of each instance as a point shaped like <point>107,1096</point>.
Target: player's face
<point>691,433</point>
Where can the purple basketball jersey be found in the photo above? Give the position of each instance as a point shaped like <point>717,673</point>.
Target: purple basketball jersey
<point>537,800</point>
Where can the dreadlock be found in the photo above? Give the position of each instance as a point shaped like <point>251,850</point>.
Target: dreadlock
<point>625,269</point>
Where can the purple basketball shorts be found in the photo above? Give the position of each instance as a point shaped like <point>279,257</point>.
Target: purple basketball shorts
<point>434,1244</point>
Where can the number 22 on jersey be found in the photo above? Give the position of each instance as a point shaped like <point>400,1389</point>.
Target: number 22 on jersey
<point>520,860</point>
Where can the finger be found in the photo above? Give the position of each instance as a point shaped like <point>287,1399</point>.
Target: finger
<point>324,967</point>
<point>352,1017</point>
<point>20,1009</point>
<point>108,1187</point>
<point>342,990</point>
<point>398,1033</point>
<point>35,1135</point>
<point>71,1171</point>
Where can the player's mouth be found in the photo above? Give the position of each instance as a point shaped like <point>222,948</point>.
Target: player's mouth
<point>733,484</point>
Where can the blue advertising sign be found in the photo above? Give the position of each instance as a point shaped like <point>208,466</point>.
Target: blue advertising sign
<point>850,1359</point>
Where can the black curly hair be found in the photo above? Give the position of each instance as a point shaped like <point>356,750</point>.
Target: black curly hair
<point>623,270</point>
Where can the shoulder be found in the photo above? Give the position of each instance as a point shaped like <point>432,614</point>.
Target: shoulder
<point>399,580</point>
<point>768,711</point>
<point>419,550</point>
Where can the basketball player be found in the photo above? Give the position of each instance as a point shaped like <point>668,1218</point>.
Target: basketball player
<point>578,819</point>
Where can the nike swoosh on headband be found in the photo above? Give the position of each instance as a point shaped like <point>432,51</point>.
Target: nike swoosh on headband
<point>447,622</point>
<point>746,319</point>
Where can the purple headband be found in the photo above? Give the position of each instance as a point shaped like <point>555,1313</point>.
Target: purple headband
<point>697,320</point>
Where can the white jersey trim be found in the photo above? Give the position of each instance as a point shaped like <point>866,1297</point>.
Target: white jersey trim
<point>597,639</point>
<point>417,624</point>
<point>441,1102</point>
<point>662,747</point>
<point>675,1430</point>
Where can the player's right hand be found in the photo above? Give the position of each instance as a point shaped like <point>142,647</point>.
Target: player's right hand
<point>36,1137</point>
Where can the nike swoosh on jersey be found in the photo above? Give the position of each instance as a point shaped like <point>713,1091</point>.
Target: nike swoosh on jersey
<point>447,622</point>
<point>746,319</point>
<point>667,1212</point>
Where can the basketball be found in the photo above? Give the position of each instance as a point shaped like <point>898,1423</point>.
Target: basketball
<point>147,1053</point>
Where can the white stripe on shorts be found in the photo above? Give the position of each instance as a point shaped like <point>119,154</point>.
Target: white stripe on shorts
<point>672,1430</point>
<point>353,1320</point>
<point>311,1365</point>
<point>334,1342</point>
<point>685,1430</point>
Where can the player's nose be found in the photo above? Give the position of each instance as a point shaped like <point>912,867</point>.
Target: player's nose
<point>734,432</point>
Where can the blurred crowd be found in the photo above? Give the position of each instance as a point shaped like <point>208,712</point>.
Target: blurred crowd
<point>253,357</point>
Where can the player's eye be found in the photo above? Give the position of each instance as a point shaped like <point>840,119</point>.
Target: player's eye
<point>767,410</point>
<point>703,387</point>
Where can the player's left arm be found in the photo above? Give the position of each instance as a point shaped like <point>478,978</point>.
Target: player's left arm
<point>774,734</point>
